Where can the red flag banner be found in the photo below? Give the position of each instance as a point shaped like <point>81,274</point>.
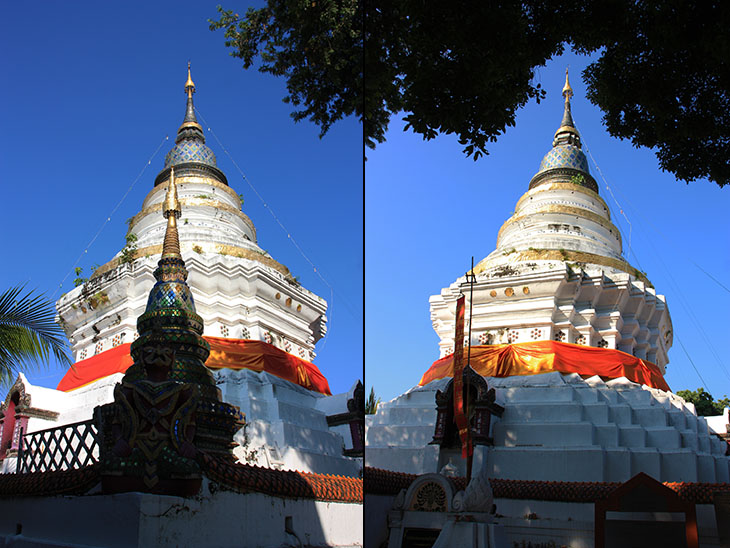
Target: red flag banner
<point>459,412</point>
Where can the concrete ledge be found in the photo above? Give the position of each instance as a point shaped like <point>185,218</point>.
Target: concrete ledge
<point>646,460</point>
<point>539,412</point>
<point>678,465</point>
<point>632,436</point>
<point>214,518</point>
<point>597,413</point>
<point>545,463</point>
<point>400,435</point>
<point>619,413</point>
<point>722,469</point>
<point>519,394</point>
<point>566,434</point>
<point>414,416</point>
<point>649,415</point>
<point>422,460</point>
<point>606,435</point>
<point>663,438</point>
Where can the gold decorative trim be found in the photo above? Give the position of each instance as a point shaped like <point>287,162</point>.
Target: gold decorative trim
<point>191,179</point>
<point>195,202</point>
<point>566,256</point>
<point>565,210</point>
<point>221,249</point>
<point>563,186</point>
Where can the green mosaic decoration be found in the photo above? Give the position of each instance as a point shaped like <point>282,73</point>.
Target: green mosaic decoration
<point>167,413</point>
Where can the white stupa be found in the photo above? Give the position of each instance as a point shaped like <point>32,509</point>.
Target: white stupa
<point>562,312</point>
<point>254,311</point>
<point>240,290</point>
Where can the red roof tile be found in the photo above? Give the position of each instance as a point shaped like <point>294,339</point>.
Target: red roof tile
<point>38,484</point>
<point>387,482</point>
<point>283,483</point>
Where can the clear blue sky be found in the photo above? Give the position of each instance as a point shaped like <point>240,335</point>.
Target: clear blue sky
<point>428,209</point>
<point>90,90</point>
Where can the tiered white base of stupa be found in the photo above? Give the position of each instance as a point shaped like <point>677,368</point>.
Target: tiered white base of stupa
<point>286,425</point>
<point>532,299</point>
<point>558,427</point>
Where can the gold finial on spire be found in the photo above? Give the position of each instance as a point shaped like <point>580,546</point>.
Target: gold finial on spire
<point>171,210</point>
<point>567,90</point>
<point>189,85</point>
<point>172,205</point>
<point>567,134</point>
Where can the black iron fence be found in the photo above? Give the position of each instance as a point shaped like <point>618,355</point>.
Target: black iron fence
<point>65,447</point>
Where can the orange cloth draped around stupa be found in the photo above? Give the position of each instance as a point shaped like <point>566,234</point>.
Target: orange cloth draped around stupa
<point>532,358</point>
<point>224,353</point>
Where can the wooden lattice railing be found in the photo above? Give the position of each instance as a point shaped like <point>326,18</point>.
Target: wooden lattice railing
<point>65,447</point>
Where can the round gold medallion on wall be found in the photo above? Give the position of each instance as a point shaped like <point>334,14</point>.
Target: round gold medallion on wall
<point>509,291</point>
<point>492,293</point>
<point>526,290</point>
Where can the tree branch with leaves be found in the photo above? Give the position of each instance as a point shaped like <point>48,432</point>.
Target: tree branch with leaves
<point>317,45</point>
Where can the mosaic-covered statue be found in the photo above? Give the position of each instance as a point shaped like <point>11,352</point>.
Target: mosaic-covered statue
<point>167,412</point>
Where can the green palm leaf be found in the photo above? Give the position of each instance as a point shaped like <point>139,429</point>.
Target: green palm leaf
<point>28,333</point>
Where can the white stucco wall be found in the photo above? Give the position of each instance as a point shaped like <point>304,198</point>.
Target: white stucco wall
<point>217,518</point>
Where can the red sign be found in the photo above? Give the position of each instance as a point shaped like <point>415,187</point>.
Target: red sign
<point>460,417</point>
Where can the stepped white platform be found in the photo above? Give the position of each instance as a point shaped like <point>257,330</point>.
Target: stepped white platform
<point>286,426</point>
<point>559,427</point>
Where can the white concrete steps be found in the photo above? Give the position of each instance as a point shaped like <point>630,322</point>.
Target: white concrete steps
<point>399,435</point>
<point>406,415</point>
<point>544,434</point>
<point>579,463</point>
<point>566,428</point>
<point>542,412</point>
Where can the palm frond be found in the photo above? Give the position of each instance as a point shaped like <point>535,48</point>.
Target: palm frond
<point>29,334</point>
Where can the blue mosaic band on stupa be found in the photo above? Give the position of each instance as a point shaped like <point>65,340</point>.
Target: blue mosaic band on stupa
<point>190,151</point>
<point>565,156</point>
<point>565,162</point>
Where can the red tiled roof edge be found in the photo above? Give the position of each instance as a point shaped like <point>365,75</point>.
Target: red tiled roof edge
<point>40,484</point>
<point>246,478</point>
<point>386,482</point>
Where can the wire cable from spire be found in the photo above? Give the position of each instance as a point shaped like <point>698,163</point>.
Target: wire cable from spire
<point>109,217</point>
<point>610,191</point>
<point>286,231</point>
<point>676,287</point>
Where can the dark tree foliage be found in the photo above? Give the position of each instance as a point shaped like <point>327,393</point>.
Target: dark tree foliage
<point>663,81</point>
<point>315,44</point>
<point>661,77</point>
<point>703,401</point>
<point>462,69</point>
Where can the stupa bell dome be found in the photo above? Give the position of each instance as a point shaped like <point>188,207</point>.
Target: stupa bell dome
<point>190,142</point>
<point>566,156</point>
<point>190,150</point>
<point>566,151</point>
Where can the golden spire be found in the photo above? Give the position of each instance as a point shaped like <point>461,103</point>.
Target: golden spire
<point>171,210</point>
<point>567,90</point>
<point>189,86</point>
<point>567,133</point>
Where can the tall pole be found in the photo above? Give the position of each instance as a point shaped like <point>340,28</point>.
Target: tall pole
<point>470,456</point>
